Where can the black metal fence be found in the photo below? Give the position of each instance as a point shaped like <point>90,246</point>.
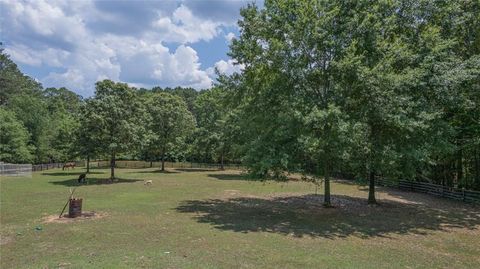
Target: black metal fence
<point>176,165</point>
<point>47,166</point>
<point>433,189</point>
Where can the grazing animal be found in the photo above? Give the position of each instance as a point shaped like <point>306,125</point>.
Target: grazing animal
<point>69,165</point>
<point>148,182</point>
<point>82,177</point>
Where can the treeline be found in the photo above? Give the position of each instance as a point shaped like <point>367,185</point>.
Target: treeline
<point>119,122</point>
<point>36,124</point>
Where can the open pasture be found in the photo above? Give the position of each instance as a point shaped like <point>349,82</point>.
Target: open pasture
<point>200,218</point>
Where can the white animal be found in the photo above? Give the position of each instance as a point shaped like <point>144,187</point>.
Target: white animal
<point>147,182</point>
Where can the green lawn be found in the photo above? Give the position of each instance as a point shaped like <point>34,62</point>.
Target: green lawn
<point>213,219</point>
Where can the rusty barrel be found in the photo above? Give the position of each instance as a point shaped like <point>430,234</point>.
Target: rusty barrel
<point>75,208</point>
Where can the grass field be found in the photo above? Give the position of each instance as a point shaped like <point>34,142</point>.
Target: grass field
<point>212,219</point>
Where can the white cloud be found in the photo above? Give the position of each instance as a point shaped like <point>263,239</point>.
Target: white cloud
<point>34,57</point>
<point>21,53</point>
<point>46,20</point>
<point>225,67</point>
<point>184,27</point>
<point>55,35</point>
<point>156,63</point>
<point>229,37</point>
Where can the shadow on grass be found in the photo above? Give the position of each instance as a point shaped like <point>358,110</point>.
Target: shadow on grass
<point>304,216</point>
<point>231,177</point>
<point>158,171</point>
<point>93,181</point>
<point>70,173</point>
<point>197,169</point>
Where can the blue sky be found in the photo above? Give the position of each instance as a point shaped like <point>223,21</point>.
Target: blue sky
<point>144,43</point>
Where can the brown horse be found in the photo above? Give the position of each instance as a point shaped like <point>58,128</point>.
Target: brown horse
<point>69,165</point>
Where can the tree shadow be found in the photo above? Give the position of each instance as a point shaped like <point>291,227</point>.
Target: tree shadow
<point>231,177</point>
<point>93,181</point>
<point>304,216</point>
<point>156,172</point>
<point>197,169</point>
<point>70,174</point>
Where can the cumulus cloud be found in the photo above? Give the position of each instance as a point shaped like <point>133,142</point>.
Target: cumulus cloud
<point>184,27</point>
<point>81,42</point>
<point>50,56</point>
<point>225,67</point>
<point>229,37</point>
<point>152,63</point>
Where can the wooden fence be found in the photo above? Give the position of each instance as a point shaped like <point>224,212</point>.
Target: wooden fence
<point>433,189</point>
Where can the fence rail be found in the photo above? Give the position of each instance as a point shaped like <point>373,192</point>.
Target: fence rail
<point>9,169</point>
<point>178,165</point>
<point>47,166</point>
<point>433,189</point>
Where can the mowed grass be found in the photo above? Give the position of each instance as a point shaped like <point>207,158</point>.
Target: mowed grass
<point>219,219</point>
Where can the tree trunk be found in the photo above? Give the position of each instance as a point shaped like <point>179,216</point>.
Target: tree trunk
<point>371,189</point>
<point>112,166</point>
<point>374,135</point>
<point>163,159</point>
<point>221,162</point>
<point>459,168</point>
<point>326,198</point>
<point>88,164</point>
<point>451,172</point>
<point>477,169</point>
<point>151,164</point>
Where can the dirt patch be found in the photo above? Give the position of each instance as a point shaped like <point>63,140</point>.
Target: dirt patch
<point>87,215</point>
<point>231,192</point>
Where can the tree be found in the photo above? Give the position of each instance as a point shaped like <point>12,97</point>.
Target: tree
<point>13,81</point>
<point>31,111</point>
<point>395,82</point>
<point>117,112</point>
<point>290,50</point>
<point>23,95</point>
<point>170,122</point>
<point>63,106</point>
<point>14,139</point>
<point>62,100</point>
<point>453,76</point>
<point>87,134</point>
<point>213,126</point>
